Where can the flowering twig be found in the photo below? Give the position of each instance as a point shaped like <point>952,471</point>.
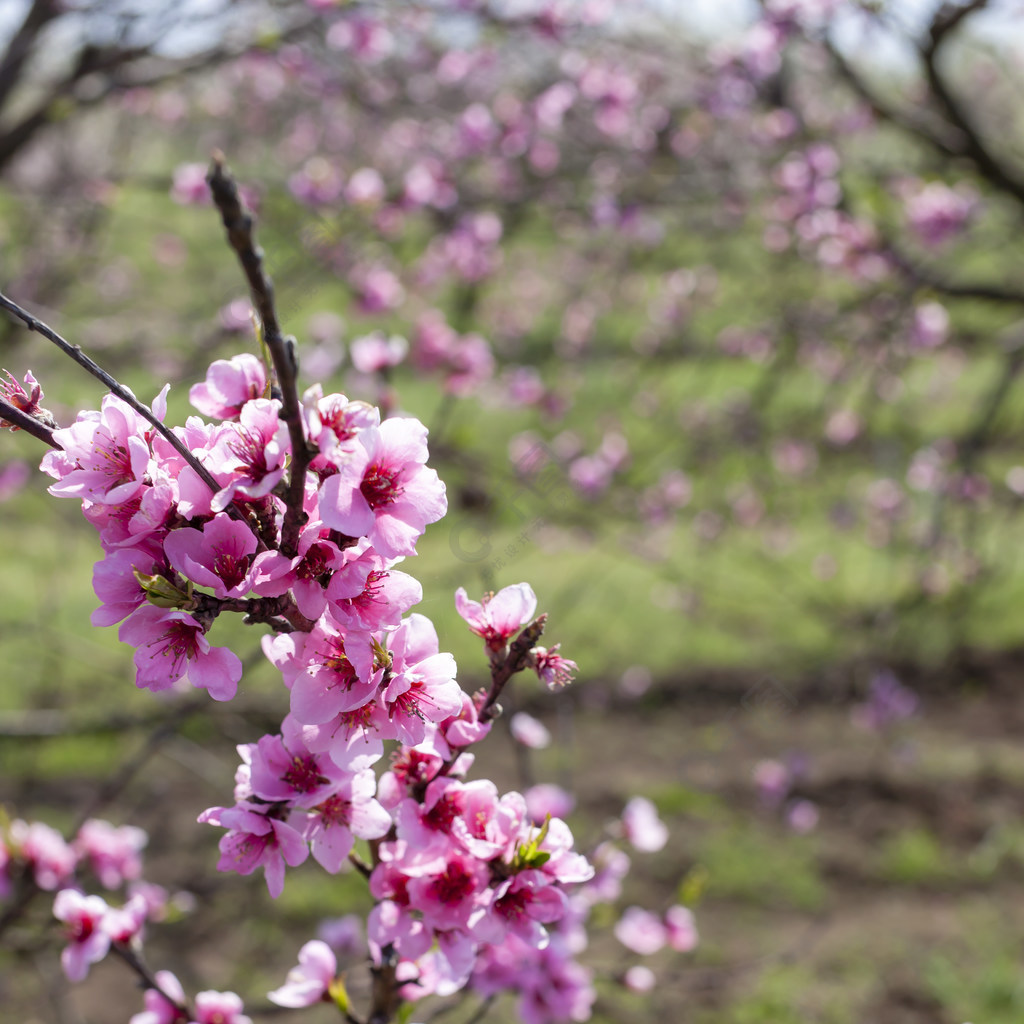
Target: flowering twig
<point>131,958</point>
<point>238,224</point>
<point>515,661</point>
<point>112,385</point>
<point>15,416</point>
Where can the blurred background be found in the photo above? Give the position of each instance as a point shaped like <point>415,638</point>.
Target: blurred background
<point>713,312</point>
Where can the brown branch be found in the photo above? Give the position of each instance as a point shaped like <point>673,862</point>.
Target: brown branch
<point>926,278</point>
<point>515,661</point>
<point>946,20</point>
<point>239,226</point>
<point>15,417</point>
<point>115,388</point>
<point>22,42</point>
<point>132,959</point>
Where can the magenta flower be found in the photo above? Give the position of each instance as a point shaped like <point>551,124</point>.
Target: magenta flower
<point>384,491</point>
<point>229,384</point>
<point>524,904</point>
<point>219,556</point>
<point>170,645</point>
<point>281,769</point>
<point>318,560</point>
<point>253,841</point>
<point>350,812</point>
<point>43,848</point>
<point>87,941</point>
<point>375,352</point>
<point>528,731</point>
<point>105,455</point>
<point>642,826</point>
<point>160,1009</point>
<point>641,931</point>
<point>552,669</point>
<point>113,853</point>
<point>254,450</point>
<point>422,687</point>
<point>680,929</point>
<point>219,1008</point>
<point>311,981</point>
<point>498,617</point>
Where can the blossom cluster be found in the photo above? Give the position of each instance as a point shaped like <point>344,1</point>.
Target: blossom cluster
<point>457,868</point>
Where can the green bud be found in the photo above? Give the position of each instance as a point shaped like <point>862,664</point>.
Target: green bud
<point>163,593</point>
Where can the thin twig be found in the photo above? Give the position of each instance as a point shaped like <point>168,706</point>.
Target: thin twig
<point>15,416</point>
<point>514,662</point>
<point>132,959</point>
<point>112,385</point>
<point>238,224</point>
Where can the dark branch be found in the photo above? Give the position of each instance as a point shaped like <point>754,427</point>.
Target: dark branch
<point>115,388</point>
<point>238,224</point>
<point>946,20</point>
<point>22,421</point>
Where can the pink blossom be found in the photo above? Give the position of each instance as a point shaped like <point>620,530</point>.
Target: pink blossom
<point>337,673</point>
<point>123,924</point>
<point>87,941</point>
<point>422,687</point>
<point>547,800</point>
<point>344,935</point>
<point>253,841</point>
<point>43,848</point>
<point>528,731</point>
<point>253,450</point>
<point>116,585</point>
<point>281,769</point>
<point>218,556</point>
<point>384,491</point>
<point>311,980</point>
<point>113,853</point>
<point>159,1008</point>
<point>497,617</point>
<point>27,398</point>
<point>642,826</point>
<point>376,352</point>
<point>170,645</point>
<point>318,559</point>
<point>104,455</point>
<point>219,1008</point>
<point>680,929</point>
<point>641,931</point>
<point>639,978</point>
<point>366,595</point>
<point>552,669</point>
<point>523,904</point>
<point>229,384</point>
<point>350,812</point>
<point>189,187</point>
<point>802,816</point>
<point>365,187</point>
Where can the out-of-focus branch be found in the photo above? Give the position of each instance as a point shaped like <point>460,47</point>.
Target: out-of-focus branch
<point>239,226</point>
<point>946,20</point>
<point>927,278</point>
<point>40,14</point>
<point>134,961</point>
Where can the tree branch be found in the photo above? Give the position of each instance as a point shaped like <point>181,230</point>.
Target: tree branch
<point>239,226</point>
<point>115,388</point>
<point>946,20</point>
<point>15,418</point>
